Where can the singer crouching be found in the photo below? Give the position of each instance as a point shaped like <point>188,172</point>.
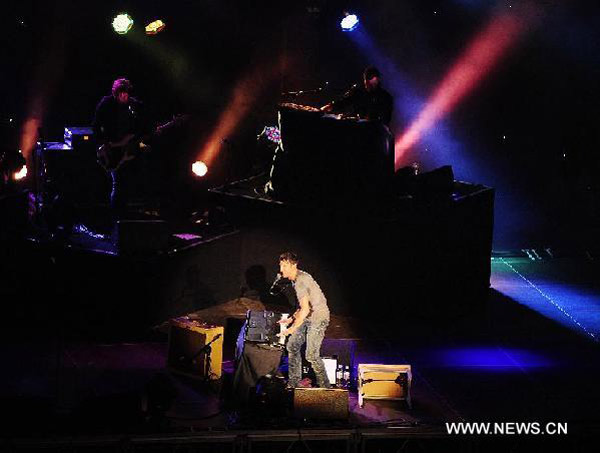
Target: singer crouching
<point>307,324</point>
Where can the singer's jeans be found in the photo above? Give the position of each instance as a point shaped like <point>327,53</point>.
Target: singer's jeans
<point>311,333</point>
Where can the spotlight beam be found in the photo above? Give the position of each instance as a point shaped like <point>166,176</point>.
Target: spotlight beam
<point>46,76</point>
<point>476,62</point>
<point>407,100</point>
<point>245,95</point>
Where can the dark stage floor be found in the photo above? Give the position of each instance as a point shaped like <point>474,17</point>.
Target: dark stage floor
<point>533,357</point>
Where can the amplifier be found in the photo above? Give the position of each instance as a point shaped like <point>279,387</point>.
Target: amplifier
<point>57,146</point>
<point>384,382</point>
<point>73,177</point>
<point>195,349</point>
<point>76,137</point>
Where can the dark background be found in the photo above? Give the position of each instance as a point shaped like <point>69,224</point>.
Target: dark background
<point>59,58</point>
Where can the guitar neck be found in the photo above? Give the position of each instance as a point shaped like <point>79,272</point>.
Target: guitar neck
<point>124,141</point>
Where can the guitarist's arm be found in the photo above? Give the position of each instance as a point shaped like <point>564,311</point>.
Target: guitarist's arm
<point>101,122</point>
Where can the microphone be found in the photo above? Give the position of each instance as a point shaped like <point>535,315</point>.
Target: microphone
<point>274,285</point>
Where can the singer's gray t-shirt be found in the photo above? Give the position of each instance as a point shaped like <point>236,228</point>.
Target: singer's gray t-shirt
<point>305,285</point>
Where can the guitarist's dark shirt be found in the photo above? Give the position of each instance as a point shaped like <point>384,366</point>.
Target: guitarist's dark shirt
<point>114,120</point>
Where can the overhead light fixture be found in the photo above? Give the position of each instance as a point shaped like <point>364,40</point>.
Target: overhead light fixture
<point>155,27</point>
<point>349,22</point>
<point>122,23</point>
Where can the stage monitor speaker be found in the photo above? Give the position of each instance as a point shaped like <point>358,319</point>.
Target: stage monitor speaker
<point>141,236</point>
<point>384,382</point>
<point>195,349</point>
<point>319,403</point>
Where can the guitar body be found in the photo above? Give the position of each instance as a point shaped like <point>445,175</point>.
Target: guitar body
<point>112,155</point>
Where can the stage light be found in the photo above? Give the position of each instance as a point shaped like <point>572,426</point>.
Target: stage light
<point>155,27</point>
<point>271,133</point>
<point>199,168</point>
<point>122,23</point>
<point>349,22</point>
<point>21,174</point>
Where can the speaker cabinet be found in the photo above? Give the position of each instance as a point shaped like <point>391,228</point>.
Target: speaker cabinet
<point>318,403</point>
<point>74,177</point>
<point>384,382</point>
<point>195,349</point>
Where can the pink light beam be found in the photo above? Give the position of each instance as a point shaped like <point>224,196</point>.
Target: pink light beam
<point>475,63</point>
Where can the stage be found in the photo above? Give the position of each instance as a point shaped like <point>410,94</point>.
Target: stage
<point>513,364</point>
<point>410,281</point>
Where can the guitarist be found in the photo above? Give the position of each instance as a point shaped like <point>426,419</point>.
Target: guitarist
<point>118,124</point>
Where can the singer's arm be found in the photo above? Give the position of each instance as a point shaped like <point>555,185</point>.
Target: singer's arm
<point>299,316</point>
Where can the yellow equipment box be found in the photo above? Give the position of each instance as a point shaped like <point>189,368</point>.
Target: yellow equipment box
<point>195,349</point>
<point>384,382</point>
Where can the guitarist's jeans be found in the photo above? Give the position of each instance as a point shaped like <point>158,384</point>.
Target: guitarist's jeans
<point>122,181</point>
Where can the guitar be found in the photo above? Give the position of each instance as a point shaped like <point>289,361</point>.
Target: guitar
<point>114,154</point>
<point>111,156</point>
